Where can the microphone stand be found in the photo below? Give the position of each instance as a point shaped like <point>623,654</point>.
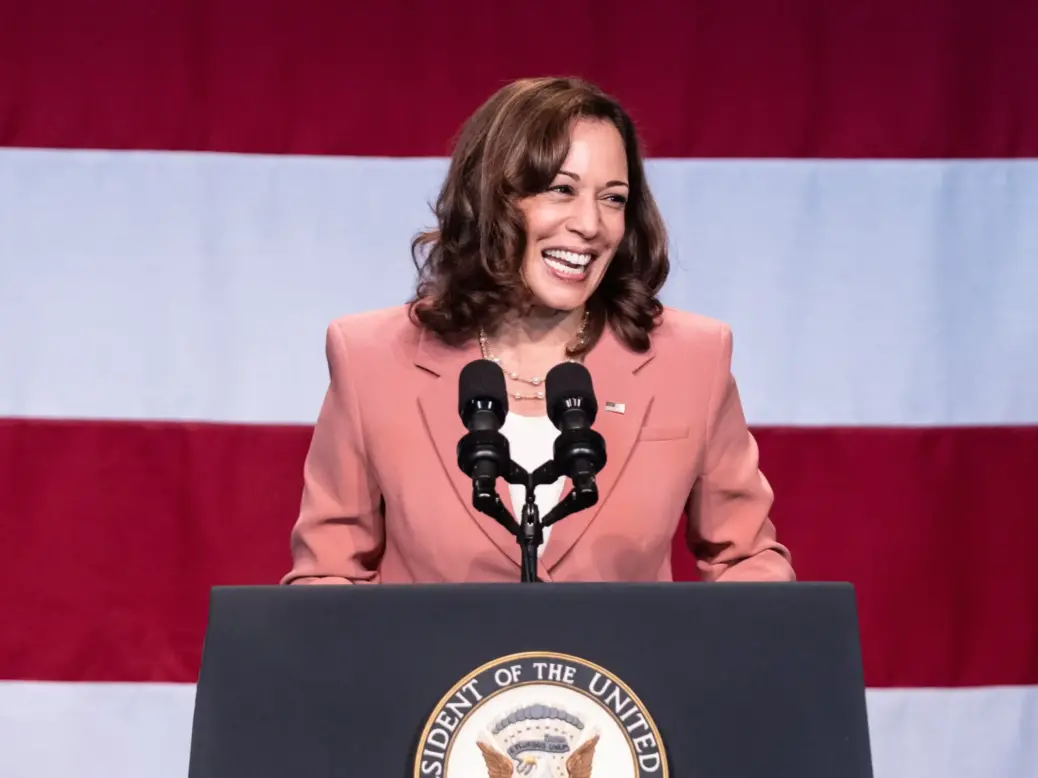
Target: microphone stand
<point>529,531</point>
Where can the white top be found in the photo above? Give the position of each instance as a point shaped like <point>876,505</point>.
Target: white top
<point>531,441</point>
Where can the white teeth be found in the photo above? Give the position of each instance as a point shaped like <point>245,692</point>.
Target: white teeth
<point>563,269</point>
<point>569,256</point>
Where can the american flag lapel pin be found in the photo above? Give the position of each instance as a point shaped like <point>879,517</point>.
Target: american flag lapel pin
<point>615,407</point>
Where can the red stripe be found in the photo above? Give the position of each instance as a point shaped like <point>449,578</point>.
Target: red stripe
<point>757,78</point>
<point>935,528</point>
<point>119,530</point>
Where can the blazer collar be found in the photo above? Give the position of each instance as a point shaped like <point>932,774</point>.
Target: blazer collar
<point>614,374</point>
<point>438,404</point>
<point>608,360</point>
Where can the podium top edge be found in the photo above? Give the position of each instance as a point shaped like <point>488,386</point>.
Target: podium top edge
<point>699,587</point>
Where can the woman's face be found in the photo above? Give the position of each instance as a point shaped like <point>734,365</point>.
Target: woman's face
<point>574,228</point>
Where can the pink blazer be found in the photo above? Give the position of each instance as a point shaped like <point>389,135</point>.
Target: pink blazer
<point>384,500</point>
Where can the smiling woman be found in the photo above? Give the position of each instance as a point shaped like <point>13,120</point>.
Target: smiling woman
<point>574,228</point>
<point>545,204</point>
<point>548,248</point>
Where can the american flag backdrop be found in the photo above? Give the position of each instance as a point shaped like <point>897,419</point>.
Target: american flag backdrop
<point>190,191</point>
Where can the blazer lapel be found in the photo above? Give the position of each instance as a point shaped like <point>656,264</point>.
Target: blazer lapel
<point>438,404</point>
<point>613,370</point>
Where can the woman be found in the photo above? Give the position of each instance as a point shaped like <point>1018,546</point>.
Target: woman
<point>549,247</point>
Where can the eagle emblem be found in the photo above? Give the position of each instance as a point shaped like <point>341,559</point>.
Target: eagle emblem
<point>540,714</point>
<point>538,741</point>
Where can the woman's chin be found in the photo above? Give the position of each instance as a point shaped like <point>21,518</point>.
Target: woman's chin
<point>560,295</point>
<point>560,302</point>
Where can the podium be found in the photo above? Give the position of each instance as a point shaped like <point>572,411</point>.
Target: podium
<point>690,680</point>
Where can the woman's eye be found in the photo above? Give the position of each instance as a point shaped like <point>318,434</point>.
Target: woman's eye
<point>567,189</point>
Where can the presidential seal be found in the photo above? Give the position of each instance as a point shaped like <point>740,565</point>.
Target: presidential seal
<point>540,715</point>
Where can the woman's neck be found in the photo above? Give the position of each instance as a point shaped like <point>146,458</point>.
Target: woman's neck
<point>529,347</point>
<point>539,333</point>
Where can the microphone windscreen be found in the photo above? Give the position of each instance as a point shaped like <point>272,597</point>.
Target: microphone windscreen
<point>568,385</point>
<point>482,379</point>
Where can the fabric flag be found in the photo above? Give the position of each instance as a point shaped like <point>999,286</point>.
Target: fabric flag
<point>190,192</point>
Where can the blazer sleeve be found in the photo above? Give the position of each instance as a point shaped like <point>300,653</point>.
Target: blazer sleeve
<point>339,535</point>
<point>729,528</point>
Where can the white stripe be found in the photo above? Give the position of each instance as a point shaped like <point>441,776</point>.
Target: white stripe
<point>985,732</point>
<point>90,730</point>
<point>154,285</point>
<point>55,730</point>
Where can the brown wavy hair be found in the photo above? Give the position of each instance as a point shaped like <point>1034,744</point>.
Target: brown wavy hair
<point>512,147</point>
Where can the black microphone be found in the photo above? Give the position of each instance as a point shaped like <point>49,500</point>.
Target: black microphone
<point>482,395</point>
<point>580,451</point>
<point>484,456</point>
<point>483,452</point>
<point>483,405</point>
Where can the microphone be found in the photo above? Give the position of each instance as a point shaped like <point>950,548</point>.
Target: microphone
<point>579,451</point>
<point>483,405</point>
<point>483,453</point>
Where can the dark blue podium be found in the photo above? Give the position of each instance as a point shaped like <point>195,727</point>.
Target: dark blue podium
<point>697,680</point>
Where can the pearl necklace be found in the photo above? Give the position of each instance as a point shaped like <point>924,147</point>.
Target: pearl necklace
<point>484,347</point>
